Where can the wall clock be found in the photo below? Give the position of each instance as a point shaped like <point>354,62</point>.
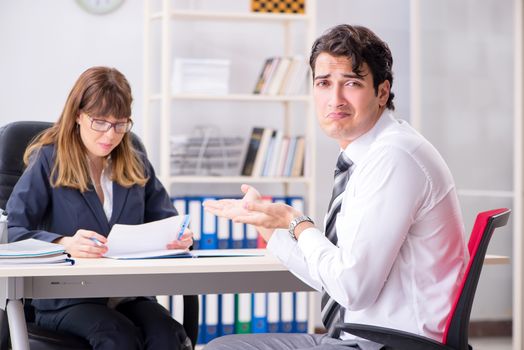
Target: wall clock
<point>99,7</point>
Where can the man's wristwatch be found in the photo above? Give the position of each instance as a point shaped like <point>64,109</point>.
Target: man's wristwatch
<point>295,223</point>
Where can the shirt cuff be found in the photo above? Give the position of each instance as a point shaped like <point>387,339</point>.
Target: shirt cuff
<point>281,245</point>
<point>310,240</point>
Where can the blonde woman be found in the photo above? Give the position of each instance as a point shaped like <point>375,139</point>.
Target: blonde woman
<point>83,176</point>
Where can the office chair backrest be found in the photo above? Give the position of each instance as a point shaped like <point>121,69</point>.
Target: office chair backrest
<point>456,331</point>
<point>14,139</point>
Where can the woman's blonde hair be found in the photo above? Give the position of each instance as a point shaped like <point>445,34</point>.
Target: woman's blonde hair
<point>98,92</point>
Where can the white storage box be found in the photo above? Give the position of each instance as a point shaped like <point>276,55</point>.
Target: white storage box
<point>201,76</point>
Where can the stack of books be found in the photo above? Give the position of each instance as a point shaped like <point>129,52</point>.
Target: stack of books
<point>34,251</point>
<point>282,76</point>
<point>271,153</point>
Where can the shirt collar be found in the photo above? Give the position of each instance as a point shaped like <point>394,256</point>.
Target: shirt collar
<point>357,149</point>
<point>106,170</point>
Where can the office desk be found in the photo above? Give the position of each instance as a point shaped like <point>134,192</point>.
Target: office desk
<point>107,278</point>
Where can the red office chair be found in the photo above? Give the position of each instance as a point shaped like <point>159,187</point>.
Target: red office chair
<point>456,331</point>
<point>14,138</point>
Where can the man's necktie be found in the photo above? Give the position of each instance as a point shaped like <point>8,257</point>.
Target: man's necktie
<point>331,311</point>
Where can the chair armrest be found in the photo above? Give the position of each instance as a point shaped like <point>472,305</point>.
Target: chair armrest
<point>392,338</point>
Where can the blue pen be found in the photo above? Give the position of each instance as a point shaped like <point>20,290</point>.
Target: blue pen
<point>97,242</point>
<point>185,223</point>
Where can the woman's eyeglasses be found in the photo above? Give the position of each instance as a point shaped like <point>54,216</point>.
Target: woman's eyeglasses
<point>104,126</point>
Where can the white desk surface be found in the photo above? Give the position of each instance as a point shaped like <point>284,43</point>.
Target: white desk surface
<point>92,267</point>
<point>98,267</point>
<point>107,278</point>
<point>185,276</point>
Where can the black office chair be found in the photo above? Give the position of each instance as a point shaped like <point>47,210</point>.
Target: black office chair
<point>457,325</point>
<point>14,138</point>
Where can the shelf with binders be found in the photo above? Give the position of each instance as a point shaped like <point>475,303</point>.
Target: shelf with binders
<point>224,314</point>
<point>209,31</point>
<point>282,312</point>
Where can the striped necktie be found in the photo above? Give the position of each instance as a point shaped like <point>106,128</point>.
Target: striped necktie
<point>331,311</point>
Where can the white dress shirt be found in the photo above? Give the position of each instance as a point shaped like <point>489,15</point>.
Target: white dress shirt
<point>107,188</point>
<point>106,185</point>
<point>401,252</point>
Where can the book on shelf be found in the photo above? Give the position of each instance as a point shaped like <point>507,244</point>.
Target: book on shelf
<point>294,81</point>
<point>284,149</point>
<point>278,76</point>
<point>272,157</point>
<point>270,153</point>
<point>288,163</point>
<point>263,75</point>
<point>298,160</point>
<point>34,251</point>
<point>252,149</point>
<point>262,151</point>
<point>270,75</point>
<point>282,76</point>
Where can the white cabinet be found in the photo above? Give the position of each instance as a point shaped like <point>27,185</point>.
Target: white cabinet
<point>172,31</point>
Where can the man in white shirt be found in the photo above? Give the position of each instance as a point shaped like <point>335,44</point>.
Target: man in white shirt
<point>391,251</point>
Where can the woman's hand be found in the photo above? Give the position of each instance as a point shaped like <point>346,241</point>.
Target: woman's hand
<point>84,244</point>
<point>184,242</point>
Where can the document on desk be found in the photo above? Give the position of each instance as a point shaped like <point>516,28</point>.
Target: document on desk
<point>147,240</point>
<point>33,251</point>
<point>29,248</point>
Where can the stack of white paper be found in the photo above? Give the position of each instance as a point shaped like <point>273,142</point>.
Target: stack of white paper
<point>33,251</point>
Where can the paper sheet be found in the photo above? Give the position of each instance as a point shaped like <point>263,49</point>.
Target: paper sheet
<point>144,241</point>
<point>29,248</point>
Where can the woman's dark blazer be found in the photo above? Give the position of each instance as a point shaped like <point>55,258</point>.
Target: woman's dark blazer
<point>37,210</point>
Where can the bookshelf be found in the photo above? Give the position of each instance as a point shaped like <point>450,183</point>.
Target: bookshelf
<point>160,104</point>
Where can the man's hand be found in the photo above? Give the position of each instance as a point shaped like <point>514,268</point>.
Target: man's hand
<point>251,209</point>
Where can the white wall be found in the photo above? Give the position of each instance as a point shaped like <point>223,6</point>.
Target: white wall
<point>467,113</point>
<point>45,45</point>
